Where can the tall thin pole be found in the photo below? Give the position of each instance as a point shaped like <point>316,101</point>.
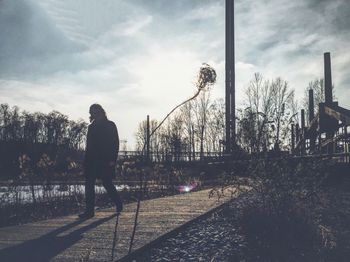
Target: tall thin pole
<point>311,117</point>
<point>233,79</point>
<point>230,77</point>
<point>328,95</point>
<point>292,138</point>
<point>302,113</point>
<point>147,140</point>
<point>311,105</point>
<point>328,78</point>
<point>302,122</point>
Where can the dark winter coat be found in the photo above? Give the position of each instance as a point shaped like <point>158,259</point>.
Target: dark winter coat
<point>102,147</point>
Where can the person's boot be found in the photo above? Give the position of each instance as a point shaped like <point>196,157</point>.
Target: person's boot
<point>87,214</point>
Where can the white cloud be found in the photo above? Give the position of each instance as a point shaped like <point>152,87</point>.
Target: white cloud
<point>206,11</point>
<point>132,27</point>
<point>142,57</point>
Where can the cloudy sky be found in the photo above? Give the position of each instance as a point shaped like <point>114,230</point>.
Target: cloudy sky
<point>139,57</point>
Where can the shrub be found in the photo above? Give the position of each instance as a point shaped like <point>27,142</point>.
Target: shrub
<point>281,222</point>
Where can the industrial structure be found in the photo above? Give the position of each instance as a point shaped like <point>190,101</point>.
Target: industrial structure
<point>328,130</point>
<point>326,133</point>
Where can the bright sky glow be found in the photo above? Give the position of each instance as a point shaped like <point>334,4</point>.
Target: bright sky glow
<point>141,57</point>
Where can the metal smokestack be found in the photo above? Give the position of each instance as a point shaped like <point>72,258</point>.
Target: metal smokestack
<point>297,132</point>
<point>311,105</point>
<point>328,78</point>
<point>311,117</point>
<point>230,119</point>
<point>302,120</point>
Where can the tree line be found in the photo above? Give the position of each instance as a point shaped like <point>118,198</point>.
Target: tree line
<point>194,131</point>
<point>263,122</point>
<point>196,128</point>
<point>36,134</point>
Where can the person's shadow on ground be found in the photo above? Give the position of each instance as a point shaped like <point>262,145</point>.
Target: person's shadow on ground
<point>49,245</point>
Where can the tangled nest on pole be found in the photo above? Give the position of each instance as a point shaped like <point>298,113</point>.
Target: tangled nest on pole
<point>206,77</point>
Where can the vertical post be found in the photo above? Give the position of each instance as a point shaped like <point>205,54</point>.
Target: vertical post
<point>147,140</point>
<point>328,78</point>
<point>346,151</point>
<point>297,137</point>
<point>328,94</point>
<point>297,132</point>
<point>233,79</point>
<point>193,145</point>
<point>230,119</point>
<point>292,138</point>
<point>311,105</point>
<point>302,113</point>
<point>311,117</point>
<point>302,147</point>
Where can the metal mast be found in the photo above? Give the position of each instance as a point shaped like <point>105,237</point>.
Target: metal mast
<point>230,119</point>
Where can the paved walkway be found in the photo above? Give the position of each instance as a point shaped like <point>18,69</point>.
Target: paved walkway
<point>68,239</point>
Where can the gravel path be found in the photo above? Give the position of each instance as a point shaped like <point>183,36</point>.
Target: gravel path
<point>213,238</point>
<point>219,236</point>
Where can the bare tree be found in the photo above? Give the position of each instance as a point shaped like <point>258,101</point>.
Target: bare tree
<point>188,121</point>
<point>5,118</point>
<point>176,141</point>
<point>76,134</point>
<point>282,100</point>
<point>259,107</point>
<point>246,130</point>
<point>216,125</point>
<point>155,140</point>
<point>201,111</point>
<point>317,86</point>
<point>265,122</point>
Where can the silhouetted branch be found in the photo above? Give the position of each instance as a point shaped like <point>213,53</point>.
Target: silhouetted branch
<point>206,77</point>
<point>137,212</point>
<point>115,237</point>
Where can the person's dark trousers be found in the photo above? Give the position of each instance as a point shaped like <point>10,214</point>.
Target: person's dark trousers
<point>90,192</point>
<point>111,190</point>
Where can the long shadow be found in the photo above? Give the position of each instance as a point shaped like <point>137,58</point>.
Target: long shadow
<point>48,246</point>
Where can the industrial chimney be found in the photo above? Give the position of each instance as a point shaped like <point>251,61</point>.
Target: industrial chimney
<point>328,78</point>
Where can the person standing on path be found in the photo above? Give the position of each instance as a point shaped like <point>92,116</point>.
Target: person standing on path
<point>101,153</point>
